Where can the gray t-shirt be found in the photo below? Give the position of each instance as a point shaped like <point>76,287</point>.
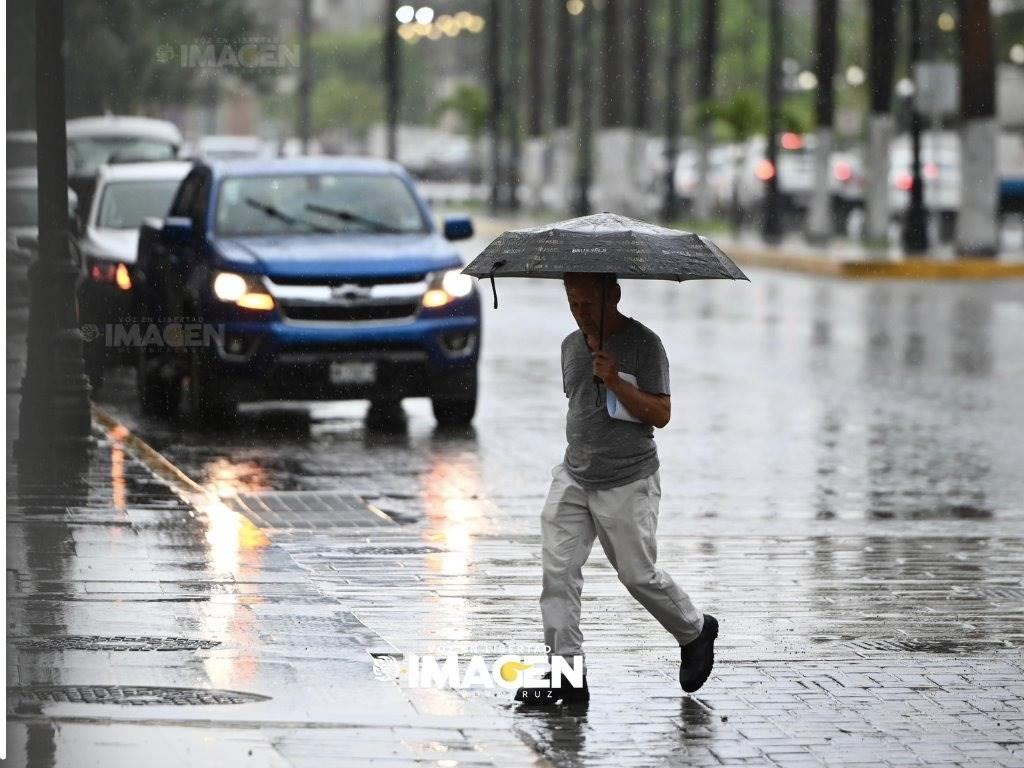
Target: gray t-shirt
<point>603,452</point>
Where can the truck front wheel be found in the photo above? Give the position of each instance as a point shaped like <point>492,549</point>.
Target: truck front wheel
<point>158,394</point>
<point>210,399</point>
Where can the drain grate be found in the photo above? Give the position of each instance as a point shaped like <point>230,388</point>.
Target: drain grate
<point>398,549</point>
<point>1001,593</point>
<point>104,643</point>
<point>131,695</point>
<point>310,510</point>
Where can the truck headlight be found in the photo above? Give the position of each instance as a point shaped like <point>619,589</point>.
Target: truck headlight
<point>241,290</point>
<point>445,287</point>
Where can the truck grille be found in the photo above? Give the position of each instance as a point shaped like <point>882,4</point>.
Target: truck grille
<point>342,314</point>
<point>356,300</point>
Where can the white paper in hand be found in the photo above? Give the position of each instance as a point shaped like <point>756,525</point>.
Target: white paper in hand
<point>616,409</point>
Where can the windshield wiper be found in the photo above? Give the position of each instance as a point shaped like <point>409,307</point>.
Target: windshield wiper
<point>344,215</point>
<point>276,213</point>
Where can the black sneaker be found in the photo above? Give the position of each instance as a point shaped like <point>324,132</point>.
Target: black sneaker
<point>697,657</point>
<point>548,697</point>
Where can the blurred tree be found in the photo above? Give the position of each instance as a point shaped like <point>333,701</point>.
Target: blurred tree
<point>469,103</point>
<point>128,57</point>
<point>357,57</point>
<point>349,105</point>
<point>771,222</point>
<point>564,67</point>
<point>613,90</point>
<point>819,223</point>
<point>536,65</point>
<point>977,224</point>
<point>495,84</point>
<point>673,46</point>
<point>707,53</point>
<point>641,54</point>
<point>881,65</point>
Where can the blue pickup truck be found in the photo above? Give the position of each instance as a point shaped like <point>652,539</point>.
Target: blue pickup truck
<point>304,279</point>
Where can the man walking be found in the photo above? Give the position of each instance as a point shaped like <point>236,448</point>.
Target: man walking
<point>608,486</point>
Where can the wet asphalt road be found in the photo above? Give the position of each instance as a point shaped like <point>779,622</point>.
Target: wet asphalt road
<point>842,486</point>
<point>795,399</point>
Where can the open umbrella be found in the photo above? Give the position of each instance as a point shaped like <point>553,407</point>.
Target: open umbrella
<point>603,243</point>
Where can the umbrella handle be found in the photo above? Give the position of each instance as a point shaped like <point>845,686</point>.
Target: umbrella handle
<point>494,290</point>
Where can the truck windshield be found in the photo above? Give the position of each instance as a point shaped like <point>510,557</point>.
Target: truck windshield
<point>126,204</point>
<point>317,203</point>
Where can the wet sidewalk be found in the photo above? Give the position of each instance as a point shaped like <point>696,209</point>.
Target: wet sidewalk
<point>148,623</point>
<point>143,627</point>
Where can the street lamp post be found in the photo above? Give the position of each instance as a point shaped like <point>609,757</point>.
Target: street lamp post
<point>915,225</point>
<point>771,228</point>
<point>54,420</point>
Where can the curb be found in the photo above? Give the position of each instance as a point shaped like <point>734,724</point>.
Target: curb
<point>155,461</point>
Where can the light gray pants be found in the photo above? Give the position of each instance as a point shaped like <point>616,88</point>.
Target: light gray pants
<point>625,519</point>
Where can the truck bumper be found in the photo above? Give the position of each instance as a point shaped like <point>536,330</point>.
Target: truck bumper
<point>431,357</point>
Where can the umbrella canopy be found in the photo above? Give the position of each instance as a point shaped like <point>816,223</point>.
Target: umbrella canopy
<point>604,243</point>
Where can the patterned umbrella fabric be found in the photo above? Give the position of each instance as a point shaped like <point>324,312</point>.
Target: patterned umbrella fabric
<point>604,243</point>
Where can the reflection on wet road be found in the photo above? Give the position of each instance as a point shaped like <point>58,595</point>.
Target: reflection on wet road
<point>794,399</point>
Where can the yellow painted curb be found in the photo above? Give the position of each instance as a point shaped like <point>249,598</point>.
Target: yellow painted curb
<point>910,269</point>
<point>155,461</point>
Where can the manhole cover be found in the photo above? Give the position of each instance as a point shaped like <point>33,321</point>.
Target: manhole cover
<point>123,694</point>
<point>103,643</point>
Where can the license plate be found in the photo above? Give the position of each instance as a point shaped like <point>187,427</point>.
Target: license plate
<point>353,372</point>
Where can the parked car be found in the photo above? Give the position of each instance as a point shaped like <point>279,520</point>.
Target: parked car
<point>21,150</point>
<point>309,278</point>
<point>97,141</point>
<point>107,242</point>
<point>940,167</point>
<point>795,171</point>
<point>1011,172</point>
<point>223,147</point>
<point>722,160</point>
<point>23,231</point>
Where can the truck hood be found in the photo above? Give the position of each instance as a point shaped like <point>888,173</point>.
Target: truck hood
<point>345,256</point>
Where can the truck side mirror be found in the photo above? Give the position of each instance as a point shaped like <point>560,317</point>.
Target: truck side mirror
<point>458,227</point>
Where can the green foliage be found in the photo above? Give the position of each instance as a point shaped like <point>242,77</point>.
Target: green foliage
<point>738,117</point>
<point>341,103</point>
<point>470,103</point>
<point>125,55</point>
<point>356,61</point>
